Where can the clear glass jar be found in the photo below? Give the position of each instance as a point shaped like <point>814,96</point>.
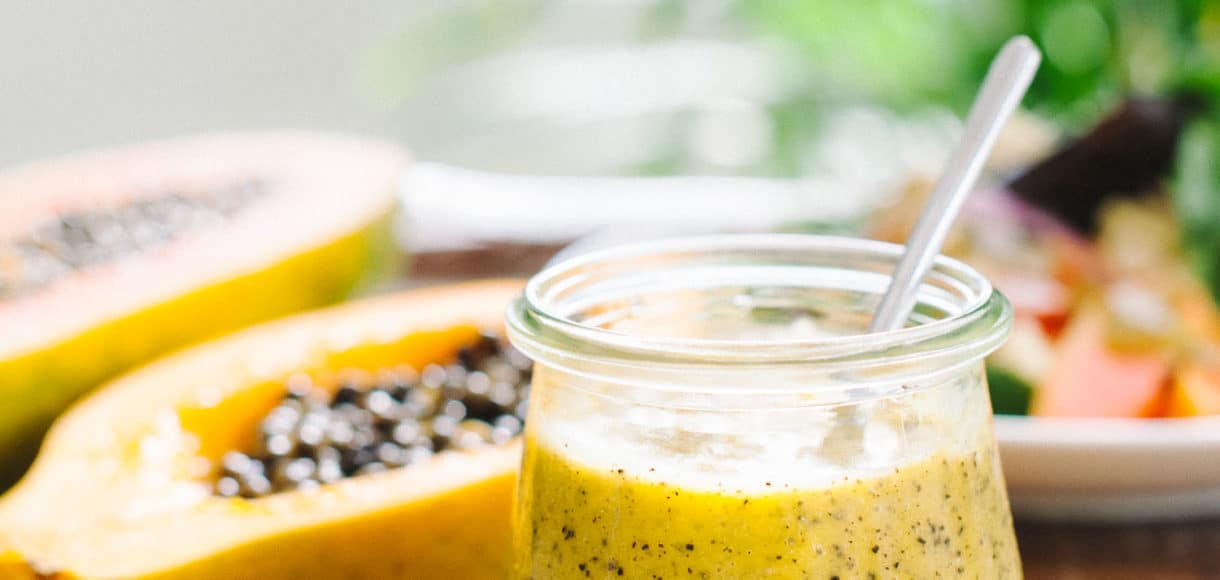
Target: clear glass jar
<point>711,408</point>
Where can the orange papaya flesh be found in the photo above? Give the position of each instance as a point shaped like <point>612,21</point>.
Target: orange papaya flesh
<point>146,442</point>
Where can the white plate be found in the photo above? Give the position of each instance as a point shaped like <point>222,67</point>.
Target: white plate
<point>1111,470</point>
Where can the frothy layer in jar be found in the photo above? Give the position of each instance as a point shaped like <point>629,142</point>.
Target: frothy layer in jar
<point>744,451</point>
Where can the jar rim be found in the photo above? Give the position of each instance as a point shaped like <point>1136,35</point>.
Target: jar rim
<point>542,326</point>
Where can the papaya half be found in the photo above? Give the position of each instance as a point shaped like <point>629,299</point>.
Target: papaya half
<point>110,258</point>
<point>126,484</point>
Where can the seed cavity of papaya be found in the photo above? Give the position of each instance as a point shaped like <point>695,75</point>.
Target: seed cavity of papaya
<point>79,240</point>
<point>369,423</point>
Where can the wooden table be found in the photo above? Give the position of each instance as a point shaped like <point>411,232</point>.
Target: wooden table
<point>1164,551</point>
<point>1188,551</point>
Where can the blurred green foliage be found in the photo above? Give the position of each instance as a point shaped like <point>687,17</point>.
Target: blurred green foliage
<point>1010,394</point>
<point>1196,196</point>
<point>915,58</point>
<point>909,54</point>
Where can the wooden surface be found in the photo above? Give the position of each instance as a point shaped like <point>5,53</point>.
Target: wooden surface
<point>1156,551</point>
<point>1186,551</point>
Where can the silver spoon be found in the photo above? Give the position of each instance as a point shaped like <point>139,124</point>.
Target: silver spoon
<point>1007,80</point>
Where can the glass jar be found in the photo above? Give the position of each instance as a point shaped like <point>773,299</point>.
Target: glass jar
<point>711,408</point>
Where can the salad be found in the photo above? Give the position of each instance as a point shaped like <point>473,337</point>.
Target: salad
<point>1109,249</point>
<point>1108,245</point>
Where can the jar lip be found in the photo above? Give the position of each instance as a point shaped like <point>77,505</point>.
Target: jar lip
<point>536,319</point>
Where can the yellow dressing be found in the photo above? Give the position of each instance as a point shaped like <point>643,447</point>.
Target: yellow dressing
<point>941,517</point>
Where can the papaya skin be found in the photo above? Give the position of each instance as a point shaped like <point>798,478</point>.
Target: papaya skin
<point>46,381</point>
<point>146,515</point>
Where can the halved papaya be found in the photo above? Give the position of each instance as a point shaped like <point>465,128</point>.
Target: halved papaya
<point>110,258</point>
<point>125,485</point>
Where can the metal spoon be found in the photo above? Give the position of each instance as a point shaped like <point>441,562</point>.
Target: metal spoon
<point>1007,80</point>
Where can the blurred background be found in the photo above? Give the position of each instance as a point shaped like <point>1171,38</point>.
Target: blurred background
<point>577,87</point>
<point>844,102</point>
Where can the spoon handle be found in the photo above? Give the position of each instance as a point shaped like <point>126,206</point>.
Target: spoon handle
<point>1007,80</point>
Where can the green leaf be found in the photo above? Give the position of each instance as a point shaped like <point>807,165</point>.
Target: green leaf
<point>1010,394</point>
<point>1196,199</point>
<point>908,54</point>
